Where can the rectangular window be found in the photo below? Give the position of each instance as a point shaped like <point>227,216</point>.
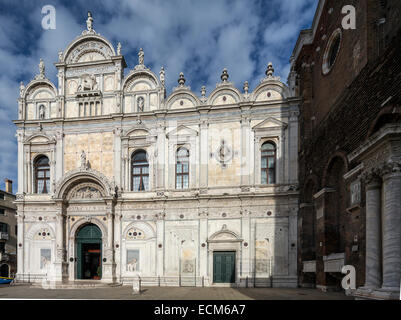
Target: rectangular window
<point>16,230</point>
<point>2,247</point>
<point>2,212</point>
<point>1,196</point>
<point>4,227</point>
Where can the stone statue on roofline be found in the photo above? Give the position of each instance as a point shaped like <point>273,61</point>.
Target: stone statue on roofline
<point>141,57</point>
<point>89,22</point>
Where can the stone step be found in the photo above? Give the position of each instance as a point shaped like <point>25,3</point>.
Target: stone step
<point>76,285</point>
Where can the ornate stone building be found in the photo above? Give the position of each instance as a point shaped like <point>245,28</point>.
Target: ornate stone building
<point>116,180</point>
<point>349,160</point>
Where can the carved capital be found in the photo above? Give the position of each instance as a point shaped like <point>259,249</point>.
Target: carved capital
<point>391,167</point>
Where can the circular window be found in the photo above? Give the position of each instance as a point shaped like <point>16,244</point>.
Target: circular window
<point>331,52</point>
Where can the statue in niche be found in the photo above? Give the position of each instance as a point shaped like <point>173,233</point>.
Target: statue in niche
<point>41,112</point>
<point>141,103</point>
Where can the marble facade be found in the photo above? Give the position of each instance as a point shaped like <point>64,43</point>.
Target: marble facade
<point>95,120</point>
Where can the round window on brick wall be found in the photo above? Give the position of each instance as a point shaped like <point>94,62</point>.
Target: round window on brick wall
<point>331,52</point>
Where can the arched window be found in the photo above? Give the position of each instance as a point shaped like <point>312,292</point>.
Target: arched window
<point>268,163</point>
<point>140,171</point>
<point>42,175</point>
<point>182,169</point>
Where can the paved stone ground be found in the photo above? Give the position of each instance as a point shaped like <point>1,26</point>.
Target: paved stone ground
<point>168,293</point>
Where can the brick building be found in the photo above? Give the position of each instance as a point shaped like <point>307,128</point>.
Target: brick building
<point>350,139</point>
<point>8,231</point>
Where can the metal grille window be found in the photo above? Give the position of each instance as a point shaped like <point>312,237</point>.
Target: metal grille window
<point>182,169</point>
<point>268,163</point>
<point>42,175</point>
<point>140,171</point>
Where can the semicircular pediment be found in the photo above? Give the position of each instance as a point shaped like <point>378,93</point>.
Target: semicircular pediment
<point>140,81</point>
<point>224,96</point>
<point>86,191</point>
<point>72,181</point>
<point>86,49</point>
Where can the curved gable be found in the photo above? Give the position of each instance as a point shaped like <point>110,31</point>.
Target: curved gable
<point>270,90</point>
<point>140,81</point>
<point>88,48</point>
<point>182,100</point>
<point>224,96</point>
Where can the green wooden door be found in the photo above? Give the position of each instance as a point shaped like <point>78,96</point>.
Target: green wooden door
<point>88,234</point>
<point>224,267</point>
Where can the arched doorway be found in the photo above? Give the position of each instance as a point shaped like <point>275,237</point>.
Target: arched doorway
<point>4,271</point>
<point>89,252</point>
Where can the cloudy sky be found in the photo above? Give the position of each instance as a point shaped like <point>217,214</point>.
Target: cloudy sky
<point>197,37</point>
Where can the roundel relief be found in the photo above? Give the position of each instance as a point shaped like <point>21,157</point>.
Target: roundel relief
<point>135,234</point>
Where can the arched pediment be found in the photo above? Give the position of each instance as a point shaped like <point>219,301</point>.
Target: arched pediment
<point>146,230</point>
<point>39,138</point>
<point>88,48</point>
<point>45,230</point>
<point>75,182</point>
<point>140,80</point>
<point>224,235</point>
<point>40,89</point>
<point>182,99</point>
<point>270,90</point>
<point>86,191</point>
<point>224,95</point>
<point>138,131</point>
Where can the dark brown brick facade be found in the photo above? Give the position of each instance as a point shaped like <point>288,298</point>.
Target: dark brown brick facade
<point>338,112</point>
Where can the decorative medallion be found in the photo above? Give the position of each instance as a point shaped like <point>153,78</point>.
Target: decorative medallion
<point>223,154</point>
<point>135,234</point>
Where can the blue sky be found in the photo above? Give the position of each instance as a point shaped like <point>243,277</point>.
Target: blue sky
<point>197,37</point>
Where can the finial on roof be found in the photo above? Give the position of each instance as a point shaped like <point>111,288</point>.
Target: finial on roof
<point>181,80</point>
<point>119,49</point>
<point>203,92</point>
<point>162,74</point>
<point>270,70</point>
<point>224,76</point>
<point>246,87</point>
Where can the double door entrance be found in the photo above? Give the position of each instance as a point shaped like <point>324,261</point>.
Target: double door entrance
<point>89,252</point>
<point>224,267</point>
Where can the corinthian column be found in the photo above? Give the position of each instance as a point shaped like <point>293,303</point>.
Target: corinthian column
<point>392,228</point>
<point>373,232</point>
